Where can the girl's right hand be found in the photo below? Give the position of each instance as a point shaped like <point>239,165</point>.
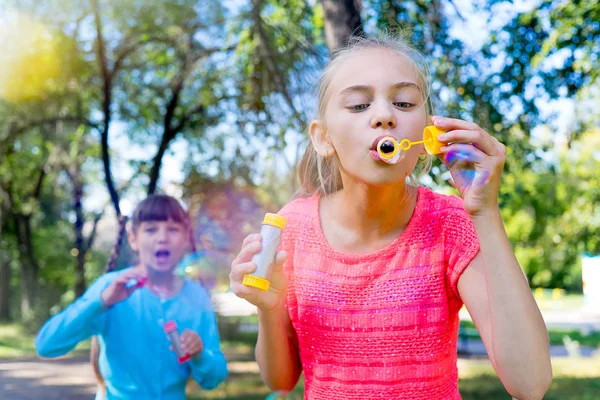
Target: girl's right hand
<point>243,265</point>
<point>119,289</point>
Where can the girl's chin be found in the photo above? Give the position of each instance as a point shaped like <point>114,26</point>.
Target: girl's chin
<point>379,180</point>
<point>161,268</point>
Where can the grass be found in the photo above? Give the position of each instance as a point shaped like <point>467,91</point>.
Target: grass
<point>557,335</point>
<point>16,342</point>
<point>574,379</point>
<point>248,386</point>
<point>555,300</point>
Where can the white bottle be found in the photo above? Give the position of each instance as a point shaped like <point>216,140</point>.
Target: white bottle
<point>272,227</point>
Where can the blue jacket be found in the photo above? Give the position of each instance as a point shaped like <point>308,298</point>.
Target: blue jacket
<point>135,359</point>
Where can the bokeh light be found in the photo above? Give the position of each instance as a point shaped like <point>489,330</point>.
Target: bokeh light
<point>30,58</point>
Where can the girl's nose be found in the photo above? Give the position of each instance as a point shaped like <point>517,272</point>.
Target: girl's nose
<point>384,117</point>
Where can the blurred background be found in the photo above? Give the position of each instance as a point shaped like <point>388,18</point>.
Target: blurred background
<point>103,102</point>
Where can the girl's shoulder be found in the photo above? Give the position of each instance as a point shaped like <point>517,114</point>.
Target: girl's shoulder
<point>300,211</point>
<point>439,205</point>
<point>299,207</point>
<point>107,278</point>
<point>446,215</point>
<point>301,216</point>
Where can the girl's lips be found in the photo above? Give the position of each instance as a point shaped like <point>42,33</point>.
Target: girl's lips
<point>378,139</point>
<point>375,155</point>
<point>162,256</point>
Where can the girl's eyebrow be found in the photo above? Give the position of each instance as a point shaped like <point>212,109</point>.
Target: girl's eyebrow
<point>357,88</point>
<point>365,88</point>
<point>402,85</point>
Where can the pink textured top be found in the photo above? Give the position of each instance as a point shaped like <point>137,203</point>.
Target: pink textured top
<point>381,325</point>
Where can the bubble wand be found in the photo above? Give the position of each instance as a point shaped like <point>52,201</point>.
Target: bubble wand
<point>389,148</point>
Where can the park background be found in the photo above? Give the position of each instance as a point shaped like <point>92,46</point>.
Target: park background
<point>103,102</point>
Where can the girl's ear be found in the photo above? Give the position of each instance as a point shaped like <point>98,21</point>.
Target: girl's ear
<point>320,139</point>
<point>132,239</point>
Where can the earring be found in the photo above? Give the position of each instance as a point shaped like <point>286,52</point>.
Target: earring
<point>423,157</point>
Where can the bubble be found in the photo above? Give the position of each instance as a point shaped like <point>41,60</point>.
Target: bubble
<point>198,266</point>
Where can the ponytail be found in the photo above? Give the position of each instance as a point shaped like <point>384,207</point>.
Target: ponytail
<point>114,256</point>
<point>193,247</point>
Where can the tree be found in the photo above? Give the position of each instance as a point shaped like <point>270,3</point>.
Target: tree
<point>71,158</point>
<point>342,20</point>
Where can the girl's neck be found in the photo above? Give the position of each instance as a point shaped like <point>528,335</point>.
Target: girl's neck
<point>163,284</point>
<point>373,212</point>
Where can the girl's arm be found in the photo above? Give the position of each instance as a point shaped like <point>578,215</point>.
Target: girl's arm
<point>86,316</point>
<point>502,306</point>
<point>493,286</point>
<point>79,321</point>
<point>276,353</point>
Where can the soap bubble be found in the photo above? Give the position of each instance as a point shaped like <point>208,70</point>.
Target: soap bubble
<point>198,266</point>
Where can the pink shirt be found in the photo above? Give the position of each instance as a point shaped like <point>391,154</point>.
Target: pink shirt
<point>381,325</point>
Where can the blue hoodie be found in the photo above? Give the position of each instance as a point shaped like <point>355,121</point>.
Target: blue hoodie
<point>135,359</point>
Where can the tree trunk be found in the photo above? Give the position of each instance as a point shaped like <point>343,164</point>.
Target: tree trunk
<point>29,265</point>
<point>107,81</point>
<point>342,20</point>
<point>5,277</point>
<point>80,285</point>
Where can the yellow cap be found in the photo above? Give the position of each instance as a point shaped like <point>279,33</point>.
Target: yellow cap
<point>430,138</point>
<point>255,281</point>
<point>274,220</point>
<point>387,156</point>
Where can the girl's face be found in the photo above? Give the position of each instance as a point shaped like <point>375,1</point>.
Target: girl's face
<point>160,244</point>
<point>373,93</point>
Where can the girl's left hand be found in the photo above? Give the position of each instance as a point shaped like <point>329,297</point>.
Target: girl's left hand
<point>191,343</point>
<point>475,160</point>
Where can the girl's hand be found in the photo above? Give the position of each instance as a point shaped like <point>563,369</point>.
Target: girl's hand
<point>120,289</point>
<point>191,343</point>
<point>243,265</point>
<point>475,160</point>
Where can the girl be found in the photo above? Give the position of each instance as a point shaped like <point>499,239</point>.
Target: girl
<point>373,271</point>
<point>135,358</point>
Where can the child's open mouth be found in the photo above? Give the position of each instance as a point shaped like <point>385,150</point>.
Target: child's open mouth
<point>162,256</point>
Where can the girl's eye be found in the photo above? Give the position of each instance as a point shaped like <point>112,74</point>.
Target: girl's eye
<point>150,230</point>
<point>403,104</point>
<point>359,107</point>
<point>174,229</point>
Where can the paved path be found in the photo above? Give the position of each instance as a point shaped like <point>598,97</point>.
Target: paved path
<point>38,379</point>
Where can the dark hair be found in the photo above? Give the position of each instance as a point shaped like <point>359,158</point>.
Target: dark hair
<point>156,207</point>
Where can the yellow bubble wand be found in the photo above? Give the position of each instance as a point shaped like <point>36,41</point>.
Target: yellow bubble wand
<point>389,148</point>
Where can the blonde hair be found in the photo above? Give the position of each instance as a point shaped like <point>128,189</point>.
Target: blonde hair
<point>321,175</point>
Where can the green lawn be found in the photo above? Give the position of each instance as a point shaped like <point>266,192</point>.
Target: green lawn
<point>15,342</point>
<point>555,300</point>
<point>557,335</point>
<point>574,379</point>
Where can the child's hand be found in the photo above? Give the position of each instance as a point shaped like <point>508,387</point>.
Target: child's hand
<point>475,160</point>
<point>191,343</point>
<point>243,265</point>
<point>118,290</point>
